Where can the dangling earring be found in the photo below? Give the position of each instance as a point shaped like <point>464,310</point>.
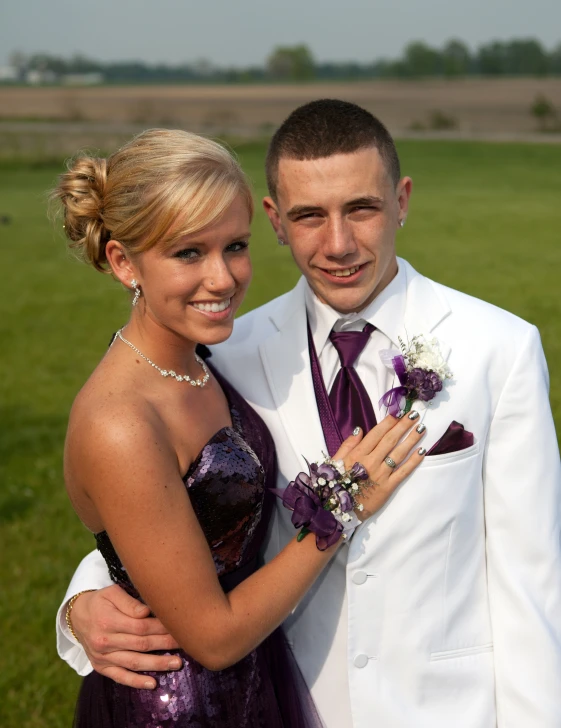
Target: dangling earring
<point>280,241</point>
<point>137,291</point>
<point>402,222</point>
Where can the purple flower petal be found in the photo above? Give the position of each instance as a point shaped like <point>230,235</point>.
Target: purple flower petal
<point>435,381</point>
<point>423,385</point>
<point>358,472</point>
<point>326,471</point>
<point>345,501</point>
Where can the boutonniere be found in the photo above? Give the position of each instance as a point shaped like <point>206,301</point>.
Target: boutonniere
<point>421,370</point>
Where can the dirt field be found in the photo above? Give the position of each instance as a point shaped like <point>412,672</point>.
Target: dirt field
<point>491,108</point>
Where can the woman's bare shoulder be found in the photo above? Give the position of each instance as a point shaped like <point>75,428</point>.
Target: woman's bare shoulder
<point>112,410</point>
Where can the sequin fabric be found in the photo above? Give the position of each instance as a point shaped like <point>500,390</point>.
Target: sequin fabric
<point>227,485</point>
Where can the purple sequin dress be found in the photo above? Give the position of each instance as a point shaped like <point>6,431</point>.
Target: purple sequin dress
<point>227,485</point>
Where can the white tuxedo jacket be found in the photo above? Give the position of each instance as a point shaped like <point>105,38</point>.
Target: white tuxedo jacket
<point>445,609</point>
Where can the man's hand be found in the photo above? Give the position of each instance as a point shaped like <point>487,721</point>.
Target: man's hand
<point>115,630</point>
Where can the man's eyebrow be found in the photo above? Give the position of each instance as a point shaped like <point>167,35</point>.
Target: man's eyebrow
<point>302,210</point>
<point>366,200</point>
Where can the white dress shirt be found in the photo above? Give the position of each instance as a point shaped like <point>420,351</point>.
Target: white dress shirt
<point>387,308</point>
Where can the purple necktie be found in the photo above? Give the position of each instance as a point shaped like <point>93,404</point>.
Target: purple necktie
<point>349,399</point>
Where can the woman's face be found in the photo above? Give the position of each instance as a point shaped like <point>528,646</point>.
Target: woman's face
<point>194,288</point>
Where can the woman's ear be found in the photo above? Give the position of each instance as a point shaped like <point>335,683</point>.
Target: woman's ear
<point>120,263</point>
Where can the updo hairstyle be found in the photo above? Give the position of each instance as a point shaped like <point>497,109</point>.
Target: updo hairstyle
<point>158,187</point>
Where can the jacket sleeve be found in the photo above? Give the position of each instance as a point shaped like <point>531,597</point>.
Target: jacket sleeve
<point>522,516</point>
<point>91,574</point>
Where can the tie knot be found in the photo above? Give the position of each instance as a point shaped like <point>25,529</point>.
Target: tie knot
<point>349,344</point>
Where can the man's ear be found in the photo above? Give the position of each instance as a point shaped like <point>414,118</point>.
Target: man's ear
<point>121,265</point>
<point>403,192</point>
<point>272,212</point>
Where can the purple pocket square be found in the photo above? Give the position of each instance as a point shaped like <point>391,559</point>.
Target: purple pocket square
<point>455,438</point>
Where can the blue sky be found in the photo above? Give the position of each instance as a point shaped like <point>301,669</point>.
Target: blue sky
<point>243,32</point>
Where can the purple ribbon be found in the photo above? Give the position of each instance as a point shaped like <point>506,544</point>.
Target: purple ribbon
<point>308,512</point>
<point>392,398</point>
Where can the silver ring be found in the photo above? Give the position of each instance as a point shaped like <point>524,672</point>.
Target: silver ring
<point>390,462</point>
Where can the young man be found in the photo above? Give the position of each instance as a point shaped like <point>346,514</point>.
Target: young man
<point>445,609</point>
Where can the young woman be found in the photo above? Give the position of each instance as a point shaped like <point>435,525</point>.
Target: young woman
<point>167,465</point>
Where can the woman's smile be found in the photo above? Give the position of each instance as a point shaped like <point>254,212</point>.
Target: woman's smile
<point>214,310</point>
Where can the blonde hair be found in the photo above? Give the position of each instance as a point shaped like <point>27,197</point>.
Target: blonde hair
<point>161,178</point>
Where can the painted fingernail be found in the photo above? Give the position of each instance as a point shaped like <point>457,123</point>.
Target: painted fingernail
<point>421,428</point>
<point>413,415</point>
<point>174,664</point>
<point>356,431</point>
<point>421,451</point>
<point>400,415</point>
<point>149,685</point>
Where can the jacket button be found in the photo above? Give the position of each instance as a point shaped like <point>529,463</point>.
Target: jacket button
<point>359,577</point>
<point>361,661</point>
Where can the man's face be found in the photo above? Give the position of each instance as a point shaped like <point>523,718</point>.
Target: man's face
<point>340,215</point>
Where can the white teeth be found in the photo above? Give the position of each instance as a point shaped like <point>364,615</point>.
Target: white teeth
<point>213,307</point>
<point>344,273</point>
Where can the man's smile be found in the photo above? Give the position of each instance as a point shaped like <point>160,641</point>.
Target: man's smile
<point>344,275</point>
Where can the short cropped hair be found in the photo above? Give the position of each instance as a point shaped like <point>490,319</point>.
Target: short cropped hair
<point>326,127</point>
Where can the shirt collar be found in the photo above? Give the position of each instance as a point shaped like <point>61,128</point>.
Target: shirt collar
<point>386,312</point>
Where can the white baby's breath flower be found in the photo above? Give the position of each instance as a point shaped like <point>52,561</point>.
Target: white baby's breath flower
<point>426,355</point>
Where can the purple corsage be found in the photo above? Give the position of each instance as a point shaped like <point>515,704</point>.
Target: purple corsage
<point>322,501</point>
<point>421,370</point>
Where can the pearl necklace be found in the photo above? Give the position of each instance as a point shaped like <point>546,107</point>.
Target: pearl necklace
<point>200,382</point>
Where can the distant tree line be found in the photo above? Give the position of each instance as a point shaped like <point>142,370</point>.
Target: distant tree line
<point>522,57</point>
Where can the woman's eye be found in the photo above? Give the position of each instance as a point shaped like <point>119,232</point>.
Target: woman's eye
<point>187,254</point>
<point>237,246</point>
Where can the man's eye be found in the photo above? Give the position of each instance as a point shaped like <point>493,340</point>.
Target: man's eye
<point>237,246</point>
<point>364,208</point>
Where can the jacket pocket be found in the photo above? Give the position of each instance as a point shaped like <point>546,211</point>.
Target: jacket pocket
<point>462,652</point>
<point>452,457</point>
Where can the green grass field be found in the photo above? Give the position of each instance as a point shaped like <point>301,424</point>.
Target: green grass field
<point>484,219</point>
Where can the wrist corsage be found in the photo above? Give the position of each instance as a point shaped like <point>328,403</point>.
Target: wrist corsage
<point>421,370</point>
<point>322,501</point>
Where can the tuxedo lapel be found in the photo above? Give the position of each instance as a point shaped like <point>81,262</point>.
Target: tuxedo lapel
<point>425,309</point>
<point>286,362</point>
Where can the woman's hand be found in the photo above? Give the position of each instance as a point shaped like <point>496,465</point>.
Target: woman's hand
<point>393,439</point>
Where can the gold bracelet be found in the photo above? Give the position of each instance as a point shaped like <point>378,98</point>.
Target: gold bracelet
<point>69,606</point>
